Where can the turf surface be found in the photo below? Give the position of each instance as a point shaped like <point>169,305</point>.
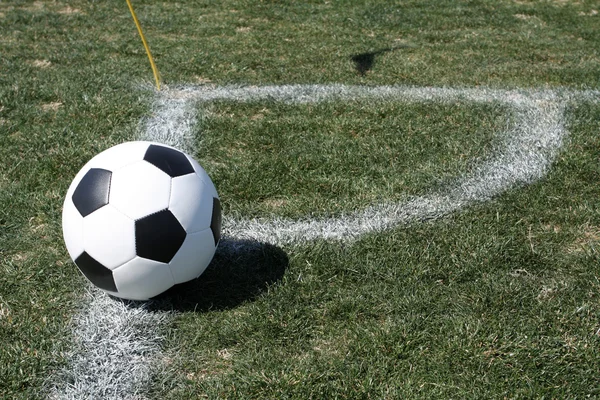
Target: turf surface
<point>500,300</point>
<point>329,158</point>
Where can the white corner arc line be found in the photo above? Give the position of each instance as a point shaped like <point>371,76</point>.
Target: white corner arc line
<point>115,346</point>
<point>526,150</point>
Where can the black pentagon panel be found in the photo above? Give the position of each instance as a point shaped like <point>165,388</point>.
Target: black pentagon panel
<point>92,191</point>
<point>158,236</point>
<point>97,273</point>
<point>171,161</point>
<point>215,222</point>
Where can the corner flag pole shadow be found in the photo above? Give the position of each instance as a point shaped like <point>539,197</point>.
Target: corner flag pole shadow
<point>240,271</point>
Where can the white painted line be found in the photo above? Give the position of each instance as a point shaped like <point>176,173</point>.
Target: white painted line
<point>117,347</point>
<point>114,349</point>
<point>524,154</point>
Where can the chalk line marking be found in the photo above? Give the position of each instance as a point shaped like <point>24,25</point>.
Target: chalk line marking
<point>113,351</point>
<point>524,154</point>
<point>117,347</point>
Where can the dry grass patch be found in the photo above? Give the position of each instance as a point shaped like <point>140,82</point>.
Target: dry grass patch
<point>548,292</point>
<point>275,203</point>
<point>54,106</point>
<point>20,258</point>
<point>217,364</point>
<point>43,64</point>
<point>68,10</point>
<point>587,241</point>
<point>4,312</point>
<point>33,7</point>
<point>524,17</point>
<point>332,347</point>
<point>201,80</point>
<point>563,3</point>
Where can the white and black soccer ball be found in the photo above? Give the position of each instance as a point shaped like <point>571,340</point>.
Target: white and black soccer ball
<point>141,217</point>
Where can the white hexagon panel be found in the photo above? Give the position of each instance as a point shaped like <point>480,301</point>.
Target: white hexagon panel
<point>140,279</point>
<point>191,202</point>
<point>140,189</point>
<point>204,176</point>
<point>193,257</point>
<point>72,229</point>
<point>119,156</point>
<point>109,237</point>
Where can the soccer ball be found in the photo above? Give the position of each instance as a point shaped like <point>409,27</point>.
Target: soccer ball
<point>141,217</point>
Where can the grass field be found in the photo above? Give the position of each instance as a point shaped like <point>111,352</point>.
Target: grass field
<point>497,300</point>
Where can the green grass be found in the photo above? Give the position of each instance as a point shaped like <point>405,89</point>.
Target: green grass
<point>300,160</point>
<point>500,300</point>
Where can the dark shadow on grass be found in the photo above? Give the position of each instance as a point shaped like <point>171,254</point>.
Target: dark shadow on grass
<point>240,271</point>
<point>364,62</point>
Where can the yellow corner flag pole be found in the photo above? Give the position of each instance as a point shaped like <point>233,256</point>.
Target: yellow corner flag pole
<point>139,28</point>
